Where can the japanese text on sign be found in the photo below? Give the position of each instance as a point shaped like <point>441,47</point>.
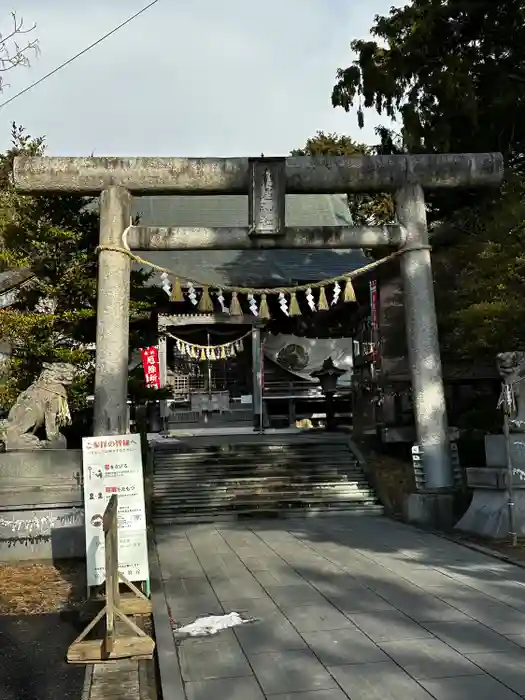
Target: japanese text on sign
<point>113,465</point>
<point>150,362</point>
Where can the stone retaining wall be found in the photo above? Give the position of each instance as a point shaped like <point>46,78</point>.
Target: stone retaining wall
<point>41,505</point>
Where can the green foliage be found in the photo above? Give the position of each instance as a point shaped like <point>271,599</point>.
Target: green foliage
<point>450,72</point>
<point>331,145</point>
<point>54,317</point>
<point>366,209</point>
<point>480,279</point>
<point>453,71</point>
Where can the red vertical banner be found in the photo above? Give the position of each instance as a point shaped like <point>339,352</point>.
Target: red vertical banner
<point>150,362</point>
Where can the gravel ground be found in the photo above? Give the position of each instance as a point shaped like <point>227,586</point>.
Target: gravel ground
<point>393,478</point>
<point>33,666</point>
<point>515,554</point>
<point>34,588</point>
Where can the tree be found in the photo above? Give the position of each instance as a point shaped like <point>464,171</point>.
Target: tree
<point>480,279</point>
<point>372,210</point>
<point>16,46</point>
<point>54,317</point>
<point>452,71</point>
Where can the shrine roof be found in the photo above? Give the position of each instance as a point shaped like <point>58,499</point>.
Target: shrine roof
<point>257,267</point>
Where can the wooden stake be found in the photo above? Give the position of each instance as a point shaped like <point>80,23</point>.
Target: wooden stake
<point>111,646</point>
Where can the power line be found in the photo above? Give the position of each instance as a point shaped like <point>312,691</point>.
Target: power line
<point>78,55</point>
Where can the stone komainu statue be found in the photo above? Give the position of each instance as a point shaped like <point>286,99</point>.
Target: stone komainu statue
<point>41,405</point>
<point>511,368</point>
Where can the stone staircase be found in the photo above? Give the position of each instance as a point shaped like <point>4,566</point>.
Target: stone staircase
<point>212,478</point>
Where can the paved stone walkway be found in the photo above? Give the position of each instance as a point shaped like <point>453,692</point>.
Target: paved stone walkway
<point>356,607</point>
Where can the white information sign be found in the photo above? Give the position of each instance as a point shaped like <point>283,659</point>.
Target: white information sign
<point>113,464</point>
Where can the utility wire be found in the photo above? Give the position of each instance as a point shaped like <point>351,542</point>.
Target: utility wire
<point>78,55</point>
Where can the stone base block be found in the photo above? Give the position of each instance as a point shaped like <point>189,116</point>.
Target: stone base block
<point>495,450</point>
<point>488,513</point>
<point>42,534</point>
<point>431,509</point>
<point>41,505</point>
<point>36,463</point>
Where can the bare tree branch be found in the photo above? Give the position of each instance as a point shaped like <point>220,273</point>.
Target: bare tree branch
<point>15,48</point>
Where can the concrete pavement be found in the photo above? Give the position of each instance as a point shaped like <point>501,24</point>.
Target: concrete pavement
<point>349,607</point>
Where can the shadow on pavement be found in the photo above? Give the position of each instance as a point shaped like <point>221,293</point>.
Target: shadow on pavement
<point>33,658</point>
<point>346,604</point>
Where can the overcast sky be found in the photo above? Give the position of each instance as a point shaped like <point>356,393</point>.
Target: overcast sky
<point>188,77</point>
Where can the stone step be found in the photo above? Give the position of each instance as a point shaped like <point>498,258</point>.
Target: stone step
<point>257,471</point>
<point>316,481</point>
<point>265,479</point>
<point>228,516</point>
<point>237,495</point>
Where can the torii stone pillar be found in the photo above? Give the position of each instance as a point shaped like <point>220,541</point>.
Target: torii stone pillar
<point>112,361</point>
<point>422,336</point>
<point>266,181</point>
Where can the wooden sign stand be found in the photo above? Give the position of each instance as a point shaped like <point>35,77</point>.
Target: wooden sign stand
<point>112,646</point>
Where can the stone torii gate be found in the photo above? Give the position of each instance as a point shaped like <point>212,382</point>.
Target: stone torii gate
<point>266,181</point>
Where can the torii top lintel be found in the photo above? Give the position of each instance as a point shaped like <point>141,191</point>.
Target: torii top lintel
<point>303,174</point>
